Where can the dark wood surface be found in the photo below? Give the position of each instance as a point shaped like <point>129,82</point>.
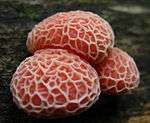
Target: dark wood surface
<point>131,23</point>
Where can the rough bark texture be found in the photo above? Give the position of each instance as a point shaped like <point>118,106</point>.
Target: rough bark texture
<point>130,21</point>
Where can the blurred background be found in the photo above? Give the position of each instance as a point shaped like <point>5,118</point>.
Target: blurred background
<point>130,20</point>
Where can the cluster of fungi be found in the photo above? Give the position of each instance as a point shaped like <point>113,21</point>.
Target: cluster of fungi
<point>73,61</point>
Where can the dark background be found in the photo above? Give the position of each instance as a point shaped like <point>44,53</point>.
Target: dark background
<point>130,20</point>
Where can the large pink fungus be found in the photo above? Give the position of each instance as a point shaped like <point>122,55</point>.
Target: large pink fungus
<point>83,33</point>
<point>54,83</point>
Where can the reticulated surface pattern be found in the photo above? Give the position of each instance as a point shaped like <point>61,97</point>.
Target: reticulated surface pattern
<point>83,33</point>
<point>118,72</point>
<point>54,83</point>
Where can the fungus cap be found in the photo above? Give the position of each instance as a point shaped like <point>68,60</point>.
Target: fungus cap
<point>118,72</point>
<point>83,33</point>
<point>54,83</point>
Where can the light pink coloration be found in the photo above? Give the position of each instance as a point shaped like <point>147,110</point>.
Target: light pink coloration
<point>83,33</point>
<point>118,72</point>
<point>54,83</point>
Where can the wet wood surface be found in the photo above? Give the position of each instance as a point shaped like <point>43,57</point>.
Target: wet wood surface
<point>130,21</point>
